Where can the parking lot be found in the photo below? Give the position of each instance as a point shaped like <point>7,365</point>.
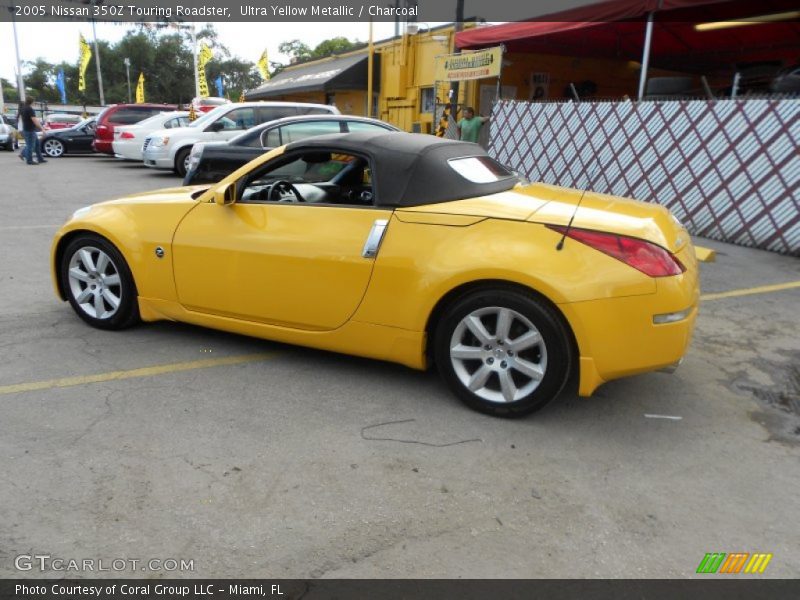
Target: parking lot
<point>255,459</point>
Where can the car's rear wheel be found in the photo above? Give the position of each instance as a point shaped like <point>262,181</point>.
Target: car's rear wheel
<point>182,161</point>
<point>53,148</point>
<point>503,352</point>
<point>98,283</point>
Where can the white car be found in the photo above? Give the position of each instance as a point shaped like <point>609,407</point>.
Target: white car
<point>169,148</point>
<point>8,135</point>
<point>128,139</point>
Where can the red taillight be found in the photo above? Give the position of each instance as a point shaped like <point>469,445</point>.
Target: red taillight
<point>127,135</point>
<point>648,258</point>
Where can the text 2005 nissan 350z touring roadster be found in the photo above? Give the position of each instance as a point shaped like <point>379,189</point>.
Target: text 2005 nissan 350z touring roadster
<point>399,247</point>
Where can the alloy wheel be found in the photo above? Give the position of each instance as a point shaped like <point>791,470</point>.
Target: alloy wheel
<point>498,354</point>
<point>53,148</point>
<point>94,281</point>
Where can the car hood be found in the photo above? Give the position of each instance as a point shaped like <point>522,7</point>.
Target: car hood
<point>171,195</point>
<point>554,205</point>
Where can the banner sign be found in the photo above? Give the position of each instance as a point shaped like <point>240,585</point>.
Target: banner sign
<point>263,66</point>
<point>140,89</point>
<point>203,58</point>
<point>470,65</point>
<point>86,56</point>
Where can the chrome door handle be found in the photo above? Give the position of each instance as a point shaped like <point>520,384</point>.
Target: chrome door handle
<point>374,238</point>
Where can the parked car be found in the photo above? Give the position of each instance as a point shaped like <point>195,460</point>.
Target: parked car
<point>169,148</point>
<point>787,81</point>
<point>74,140</point>
<point>122,114</point>
<point>128,139</point>
<point>9,138</point>
<point>205,105</point>
<point>400,247</point>
<point>60,121</point>
<point>209,162</point>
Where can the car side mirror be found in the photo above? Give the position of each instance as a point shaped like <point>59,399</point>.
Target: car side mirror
<point>216,126</point>
<point>225,194</point>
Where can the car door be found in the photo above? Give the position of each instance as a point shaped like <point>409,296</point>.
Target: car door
<point>82,140</point>
<point>303,265</point>
<point>76,139</point>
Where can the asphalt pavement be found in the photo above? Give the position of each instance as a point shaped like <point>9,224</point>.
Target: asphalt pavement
<point>266,460</point>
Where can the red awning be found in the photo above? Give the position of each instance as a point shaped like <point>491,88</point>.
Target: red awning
<point>614,29</point>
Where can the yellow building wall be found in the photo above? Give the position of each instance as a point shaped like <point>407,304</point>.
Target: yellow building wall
<point>407,68</point>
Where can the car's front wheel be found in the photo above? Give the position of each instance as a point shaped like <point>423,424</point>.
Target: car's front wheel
<point>98,283</point>
<point>182,161</point>
<point>53,148</point>
<point>503,352</point>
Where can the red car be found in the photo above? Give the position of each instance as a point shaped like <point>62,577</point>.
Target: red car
<point>205,105</point>
<point>61,121</point>
<point>122,114</point>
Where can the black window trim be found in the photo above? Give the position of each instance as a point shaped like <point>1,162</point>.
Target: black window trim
<point>289,157</point>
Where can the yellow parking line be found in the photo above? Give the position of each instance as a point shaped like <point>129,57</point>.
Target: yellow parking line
<point>248,358</point>
<point>764,289</point>
<point>132,373</point>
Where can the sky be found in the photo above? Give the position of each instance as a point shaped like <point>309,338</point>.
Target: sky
<point>55,42</point>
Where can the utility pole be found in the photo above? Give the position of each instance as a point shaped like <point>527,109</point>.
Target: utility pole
<point>128,75</point>
<point>459,26</point>
<point>97,59</point>
<point>20,80</point>
<point>194,53</point>
<point>370,59</point>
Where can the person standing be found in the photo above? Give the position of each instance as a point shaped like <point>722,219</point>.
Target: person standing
<point>469,127</point>
<point>30,125</point>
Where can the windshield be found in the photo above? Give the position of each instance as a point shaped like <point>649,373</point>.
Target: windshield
<point>211,116</point>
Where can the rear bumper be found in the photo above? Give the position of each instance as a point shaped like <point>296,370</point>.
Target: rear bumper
<point>127,151</point>
<point>618,337</point>
<point>104,146</point>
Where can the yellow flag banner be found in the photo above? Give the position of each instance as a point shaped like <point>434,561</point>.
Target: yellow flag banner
<point>140,89</point>
<point>470,65</point>
<point>263,65</point>
<point>203,58</point>
<point>86,56</point>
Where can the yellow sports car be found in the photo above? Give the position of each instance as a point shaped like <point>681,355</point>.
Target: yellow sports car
<point>399,247</point>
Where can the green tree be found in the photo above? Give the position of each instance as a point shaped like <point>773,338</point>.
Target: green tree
<point>332,46</point>
<point>164,56</point>
<point>300,52</point>
<point>296,50</point>
<point>237,75</point>
<point>10,95</point>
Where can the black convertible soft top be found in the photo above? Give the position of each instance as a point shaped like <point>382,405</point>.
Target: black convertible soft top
<point>410,169</point>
